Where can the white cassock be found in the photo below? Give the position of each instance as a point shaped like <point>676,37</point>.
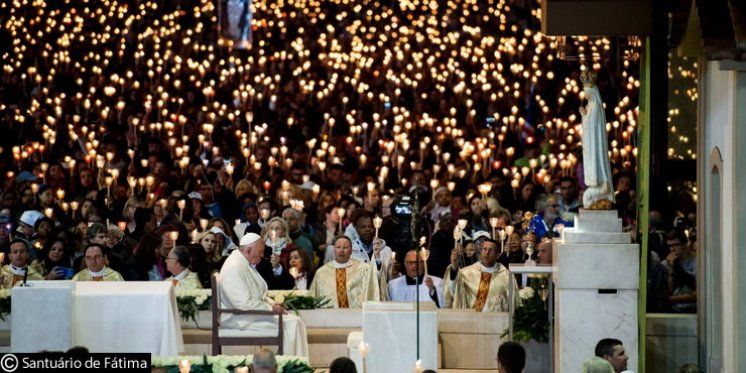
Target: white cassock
<point>243,288</point>
<point>401,291</point>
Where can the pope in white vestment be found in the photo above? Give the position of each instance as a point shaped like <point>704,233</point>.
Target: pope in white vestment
<point>241,287</point>
<point>402,288</point>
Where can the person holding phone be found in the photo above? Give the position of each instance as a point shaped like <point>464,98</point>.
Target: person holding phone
<point>53,261</point>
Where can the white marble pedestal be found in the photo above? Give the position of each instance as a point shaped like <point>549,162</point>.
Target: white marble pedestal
<point>40,316</point>
<point>391,331</point>
<point>596,277</point>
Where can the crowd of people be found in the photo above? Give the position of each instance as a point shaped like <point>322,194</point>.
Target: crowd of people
<point>138,146</point>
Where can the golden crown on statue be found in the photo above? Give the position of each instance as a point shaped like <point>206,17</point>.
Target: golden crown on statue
<point>588,77</point>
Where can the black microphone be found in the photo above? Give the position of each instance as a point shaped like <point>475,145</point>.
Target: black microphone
<point>25,275</point>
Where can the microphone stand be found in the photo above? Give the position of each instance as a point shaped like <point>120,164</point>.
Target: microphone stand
<point>25,276</point>
<point>415,226</point>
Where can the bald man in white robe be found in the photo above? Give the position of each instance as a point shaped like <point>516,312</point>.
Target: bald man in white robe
<point>242,288</point>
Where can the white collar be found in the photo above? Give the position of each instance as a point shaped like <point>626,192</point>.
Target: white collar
<point>16,270</point>
<point>99,273</point>
<point>182,275</point>
<point>492,269</point>
<point>343,265</point>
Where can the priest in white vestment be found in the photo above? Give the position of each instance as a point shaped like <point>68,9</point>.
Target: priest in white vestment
<point>345,281</point>
<point>485,286</point>
<point>403,288</point>
<point>243,288</point>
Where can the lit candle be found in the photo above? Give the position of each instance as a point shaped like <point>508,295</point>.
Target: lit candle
<point>181,204</point>
<point>377,222</point>
<point>174,235</point>
<point>185,366</point>
<point>341,213</point>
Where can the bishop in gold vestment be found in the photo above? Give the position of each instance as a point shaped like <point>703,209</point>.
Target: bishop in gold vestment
<point>345,281</point>
<point>485,286</point>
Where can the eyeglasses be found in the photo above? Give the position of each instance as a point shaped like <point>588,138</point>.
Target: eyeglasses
<point>170,258</point>
<point>489,249</point>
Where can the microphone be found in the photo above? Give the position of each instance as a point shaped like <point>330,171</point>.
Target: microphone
<point>25,275</point>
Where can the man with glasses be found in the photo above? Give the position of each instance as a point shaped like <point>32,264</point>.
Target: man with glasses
<point>548,221</point>
<point>177,263</point>
<point>96,269</point>
<point>484,286</point>
<point>402,289</point>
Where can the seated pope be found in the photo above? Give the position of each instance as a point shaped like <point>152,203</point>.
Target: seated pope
<point>14,273</point>
<point>345,281</point>
<point>177,263</point>
<point>484,286</point>
<point>404,288</point>
<point>243,288</point>
<point>95,269</point>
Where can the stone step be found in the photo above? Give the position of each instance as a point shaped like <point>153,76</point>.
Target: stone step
<point>598,214</point>
<point>570,235</point>
<point>599,226</point>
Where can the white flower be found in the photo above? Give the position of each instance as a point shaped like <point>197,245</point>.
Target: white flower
<point>280,298</point>
<point>526,293</point>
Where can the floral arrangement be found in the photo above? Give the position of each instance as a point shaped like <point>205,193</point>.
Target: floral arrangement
<point>4,303</point>
<point>530,320</point>
<point>190,302</point>
<point>296,300</point>
<point>224,364</point>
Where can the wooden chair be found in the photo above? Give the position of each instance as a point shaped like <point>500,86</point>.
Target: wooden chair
<point>237,337</point>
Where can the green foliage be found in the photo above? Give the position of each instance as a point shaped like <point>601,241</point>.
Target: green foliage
<point>188,307</point>
<point>530,320</point>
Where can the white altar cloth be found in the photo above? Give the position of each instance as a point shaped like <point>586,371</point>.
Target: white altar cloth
<point>127,317</point>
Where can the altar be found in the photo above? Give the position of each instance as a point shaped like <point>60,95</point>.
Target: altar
<point>101,316</point>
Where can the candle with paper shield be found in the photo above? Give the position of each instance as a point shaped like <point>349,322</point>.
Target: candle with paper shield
<point>418,366</point>
<point>493,222</point>
<point>294,272</point>
<point>364,349</point>
<point>377,222</point>
<point>73,208</point>
<point>181,204</point>
<point>174,236</point>
<point>424,252</point>
<point>185,366</point>
<point>502,236</point>
<point>341,213</point>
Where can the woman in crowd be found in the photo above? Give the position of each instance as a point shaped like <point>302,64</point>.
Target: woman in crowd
<point>277,239</point>
<point>53,260</point>
<point>213,254</point>
<point>301,268</point>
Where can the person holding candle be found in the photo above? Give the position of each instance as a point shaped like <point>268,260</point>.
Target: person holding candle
<point>404,288</point>
<point>484,286</point>
<point>293,219</point>
<point>514,250</point>
<point>345,281</point>
<point>244,288</point>
<point>95,266</point>
<point>301,268</point>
